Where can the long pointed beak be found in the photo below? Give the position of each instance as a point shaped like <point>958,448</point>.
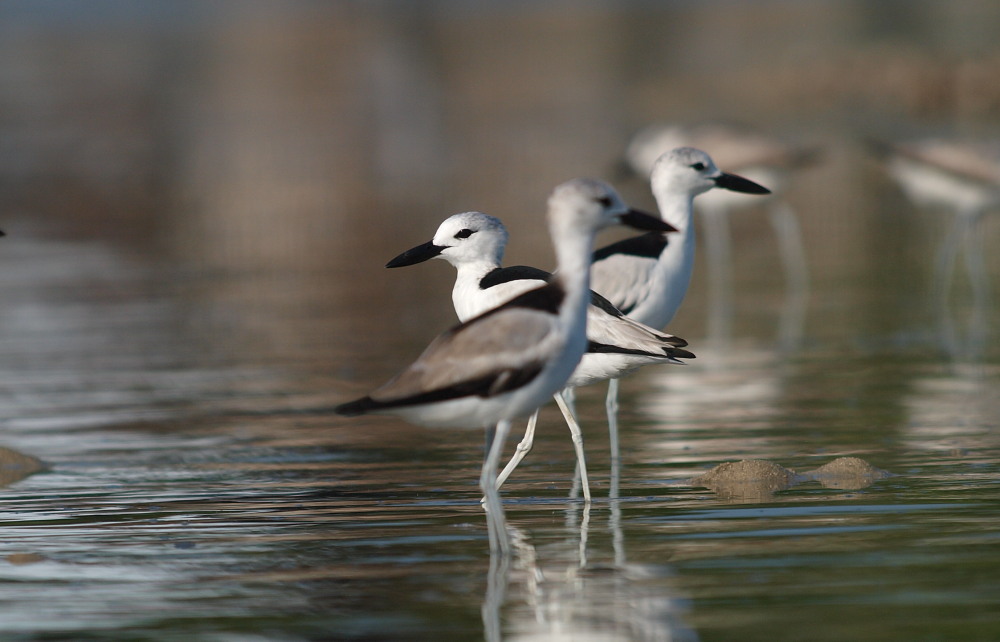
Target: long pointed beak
<point>416,255</point>
<point>643,221</point>
<point>736,183</point>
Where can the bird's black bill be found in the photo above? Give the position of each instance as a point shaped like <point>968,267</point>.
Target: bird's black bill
<point>416,255</point>
<point>643,221</point>
<point>736,183</point>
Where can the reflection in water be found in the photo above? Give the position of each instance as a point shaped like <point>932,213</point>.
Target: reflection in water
<point>739,387</point>
<point>954,413</point>
<point>766,161</point>
<point>961,178</point>
<point>557,591</point>
<point>497,579</point>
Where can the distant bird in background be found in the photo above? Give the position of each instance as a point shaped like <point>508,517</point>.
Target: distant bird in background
<point>962,179</point>
<point>505,363</point>
<point>760,158</point>
<point>647,276</point>
<point>474,243</point>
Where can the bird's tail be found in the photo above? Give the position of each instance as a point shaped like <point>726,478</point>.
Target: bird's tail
<point>677,353</point>
<point>357,407</point>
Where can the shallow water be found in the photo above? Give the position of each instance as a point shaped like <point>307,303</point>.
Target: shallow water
<point>200,489</point>
<point>199,199</point>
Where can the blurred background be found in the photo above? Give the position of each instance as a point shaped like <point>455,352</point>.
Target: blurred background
<point>271,138</point>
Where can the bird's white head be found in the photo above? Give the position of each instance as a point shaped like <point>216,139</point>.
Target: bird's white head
<point>469,237</point>
<point>586,204</point>
<point>687,172</point>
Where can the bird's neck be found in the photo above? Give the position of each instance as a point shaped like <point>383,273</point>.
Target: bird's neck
<point>573,249</point>
<point>678,258</point>
<point>466,296</point>
<point>675,209</point>
<point>672,274</point>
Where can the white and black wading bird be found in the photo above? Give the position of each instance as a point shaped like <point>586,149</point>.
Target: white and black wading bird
<point>505,363</point>
<point>765,159</point>
<point>647,276</point>
<point>474,244</point>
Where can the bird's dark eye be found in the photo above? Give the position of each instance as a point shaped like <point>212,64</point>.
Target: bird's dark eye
<point>604,201</point>
<point>464,234</point>
<point>698,166</point>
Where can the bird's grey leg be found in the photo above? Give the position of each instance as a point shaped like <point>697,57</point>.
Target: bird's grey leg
<point>577,435</point>
<point>569,396</point>
<point>611,405</point>
<point>523,447</point>
<point>496,523</point>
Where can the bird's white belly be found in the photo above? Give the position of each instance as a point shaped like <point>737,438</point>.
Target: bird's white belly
<point>598,366</point>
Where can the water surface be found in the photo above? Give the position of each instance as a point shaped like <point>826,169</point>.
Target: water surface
<point>198,205</point>
<point>198,487</point>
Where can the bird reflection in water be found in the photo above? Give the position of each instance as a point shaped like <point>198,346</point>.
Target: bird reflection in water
<point>560,590</point>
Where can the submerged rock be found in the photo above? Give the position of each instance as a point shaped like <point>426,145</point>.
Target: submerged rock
<point>749,479</point>
<point>15,466</point>
<point>759,479</point>
<point>847,473</point>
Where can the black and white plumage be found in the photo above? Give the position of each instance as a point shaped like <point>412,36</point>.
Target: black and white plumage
<point>647,276</point>
<point>474,244</point>
<point>507,362</point>
<point>764,159</point>
<point>740,148</point>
